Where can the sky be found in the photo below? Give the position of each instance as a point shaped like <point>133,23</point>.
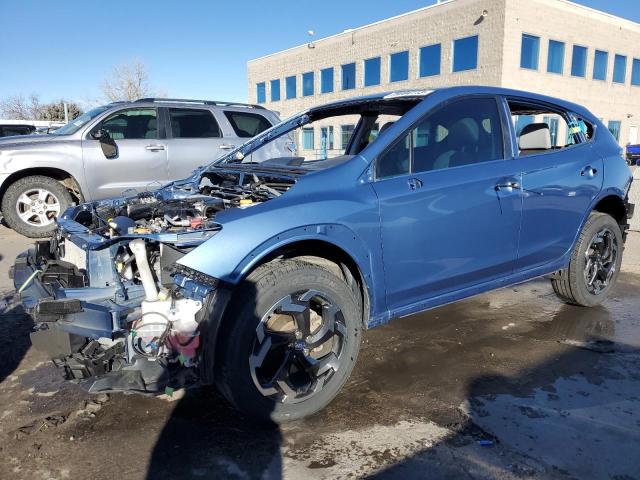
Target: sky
<point>192,48</point>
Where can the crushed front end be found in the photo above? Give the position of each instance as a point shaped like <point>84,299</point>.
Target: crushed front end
<point>111,306</point>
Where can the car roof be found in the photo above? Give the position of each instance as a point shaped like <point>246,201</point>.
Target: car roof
<point>152,101</point>
<point>417,95</point>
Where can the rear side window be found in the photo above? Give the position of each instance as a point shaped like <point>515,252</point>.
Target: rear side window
<point>193,123</point>
<point>543,129</point>
<point>247,125</point>
<point>16,130</point>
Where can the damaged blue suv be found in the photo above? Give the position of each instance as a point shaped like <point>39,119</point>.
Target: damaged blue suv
<point>260,271</point>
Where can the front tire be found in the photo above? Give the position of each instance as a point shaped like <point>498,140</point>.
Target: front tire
<point>32,204</point>
<point>289,341</point>
<point>595,263</point>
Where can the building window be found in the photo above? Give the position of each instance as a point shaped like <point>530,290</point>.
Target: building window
<point>307,138</point>
<point>579,61</point>
<point>399,66</point>
<point>349,76</point>
<point>600,61</point>
<point>465,54</point>
<point>307,84</point>
<point>614,128</point>
<point>553,129</point>
<point>635,72</point>
<point>522,121</point>
<point>372,72</point>
<point>345,135</point>
<point>529,51</point>
<point>326,80</point>
<point>430,60</point>
<point>275,90</point>
<point>290,84</point>
<point>555,57</point>
<point>619,69</point>
<point>261,92</point>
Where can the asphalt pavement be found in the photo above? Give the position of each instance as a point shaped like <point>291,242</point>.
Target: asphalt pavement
<point>509,384</point>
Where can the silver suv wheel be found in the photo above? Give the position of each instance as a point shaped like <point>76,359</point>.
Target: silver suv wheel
<point>38,207</point>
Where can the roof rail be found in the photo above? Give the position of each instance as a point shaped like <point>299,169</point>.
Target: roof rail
<point>199,102</point>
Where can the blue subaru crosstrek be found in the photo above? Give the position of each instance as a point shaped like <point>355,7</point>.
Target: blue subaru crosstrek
<point>260,271</point>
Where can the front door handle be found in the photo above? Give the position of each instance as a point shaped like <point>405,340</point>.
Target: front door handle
<point>227,146</point>
<point>154,148</point>
<point>508,186</point>
<point>414,183</point>
<point>588,172</point>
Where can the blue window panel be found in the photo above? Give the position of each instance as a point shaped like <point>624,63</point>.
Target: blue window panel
<point>307,84</point>
<point>349,76</point>
<point>430,60</point>
<point>372,72</point>
<point>399,66</point>
<point>614,128</point>
<point>579,61</point>
<point>555,57</point>
<point>529,51</point>
<point>635,72</point>
<point>600,61</point>
<point>465,54</point>
<point>619,69</point>
<point>275,90</point>
<point>326,80</point>
<point>307,138</point>
<point>261,92</point>
<point>291,87</point>
<point>523,121</point>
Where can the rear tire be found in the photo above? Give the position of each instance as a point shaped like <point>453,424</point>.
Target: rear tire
<point>595,263</point>
<point>282,373</point>
<point>31,205</point>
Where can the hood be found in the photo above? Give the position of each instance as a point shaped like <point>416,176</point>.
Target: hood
<point>24,140</point>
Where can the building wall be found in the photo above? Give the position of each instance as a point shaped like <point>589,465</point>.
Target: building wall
<point>574,25</point>
<point>441,23</point>
<point>500,35</point>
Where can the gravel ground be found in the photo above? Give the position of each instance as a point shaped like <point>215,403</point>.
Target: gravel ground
<point>510,384</point>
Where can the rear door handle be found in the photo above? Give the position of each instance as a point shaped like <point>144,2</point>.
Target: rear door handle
<point>588,172</point>
<point>154,148</point>
<point>414,183</point>
<point>227,146</point>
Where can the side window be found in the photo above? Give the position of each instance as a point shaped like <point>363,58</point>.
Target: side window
<point>247,125</point>
<point>540,129</point>
<point>193,123</point>
<point>135,123</point>
<point>462,133</point>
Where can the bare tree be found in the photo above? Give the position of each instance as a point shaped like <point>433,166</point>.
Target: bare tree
<point>128,82</point>
<point>18,107</point>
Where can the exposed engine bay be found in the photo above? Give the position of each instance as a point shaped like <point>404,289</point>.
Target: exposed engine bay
<point>147,213</point>
<point>133,322</point>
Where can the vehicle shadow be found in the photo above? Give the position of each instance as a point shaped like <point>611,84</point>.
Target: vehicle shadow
<point>15,327</point>
<point>206,438</point>
<point>548,417</point>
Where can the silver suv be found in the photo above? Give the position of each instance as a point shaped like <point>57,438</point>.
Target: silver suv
<point>114,148</point>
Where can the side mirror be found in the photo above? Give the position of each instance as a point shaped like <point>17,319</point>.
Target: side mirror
<point>100,134</point>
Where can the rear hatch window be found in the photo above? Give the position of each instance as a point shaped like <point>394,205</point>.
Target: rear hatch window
<point>247,125</point>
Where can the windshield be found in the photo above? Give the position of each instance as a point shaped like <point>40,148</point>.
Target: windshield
<point>323,133</point>
<point>74,125</point>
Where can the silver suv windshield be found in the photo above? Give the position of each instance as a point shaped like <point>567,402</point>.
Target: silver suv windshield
<point>74,125</point>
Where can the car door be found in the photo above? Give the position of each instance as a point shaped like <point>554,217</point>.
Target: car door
<point>559,185</point>
<point>449,204</point>
<point>140,160</point>
<point>195,139</point>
